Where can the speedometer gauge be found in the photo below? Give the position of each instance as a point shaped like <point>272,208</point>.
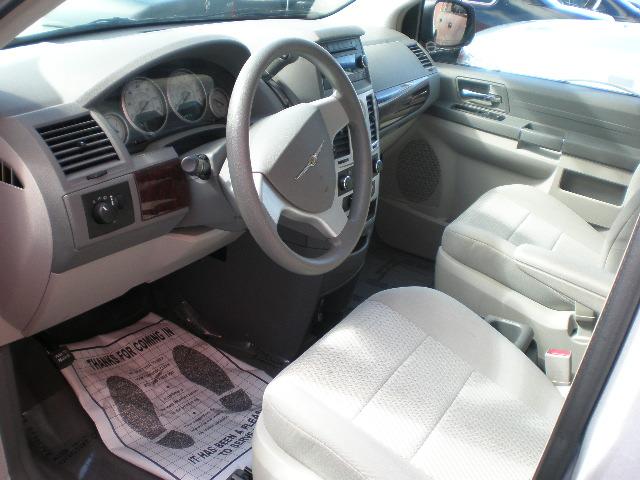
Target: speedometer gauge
<point>144,105</point>
<point>186,94</point>
<point>219,102</point>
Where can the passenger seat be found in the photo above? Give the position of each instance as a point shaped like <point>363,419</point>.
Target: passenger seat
<point>522,254</point>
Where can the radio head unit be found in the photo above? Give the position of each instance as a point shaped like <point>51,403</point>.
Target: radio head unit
<point>350,55</point>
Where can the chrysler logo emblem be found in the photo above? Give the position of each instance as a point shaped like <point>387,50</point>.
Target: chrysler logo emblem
<point>313,161</point>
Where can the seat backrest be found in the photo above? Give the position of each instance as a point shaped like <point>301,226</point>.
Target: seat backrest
<point>620,232</point>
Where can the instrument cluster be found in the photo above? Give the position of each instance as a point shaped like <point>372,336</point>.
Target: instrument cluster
<point>166,101</point>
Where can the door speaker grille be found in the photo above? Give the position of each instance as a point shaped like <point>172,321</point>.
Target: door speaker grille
<point>418,173</point>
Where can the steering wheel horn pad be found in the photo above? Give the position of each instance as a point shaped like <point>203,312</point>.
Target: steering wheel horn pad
<point>293,150</point>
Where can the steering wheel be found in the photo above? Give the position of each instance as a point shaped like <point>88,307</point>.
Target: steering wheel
<point>283,165</point>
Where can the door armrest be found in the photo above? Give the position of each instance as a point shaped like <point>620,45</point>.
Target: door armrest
<point>588,285</point>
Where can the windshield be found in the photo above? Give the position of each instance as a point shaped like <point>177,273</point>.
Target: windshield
<point>80,16</point>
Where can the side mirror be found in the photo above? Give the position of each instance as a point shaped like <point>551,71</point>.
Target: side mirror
<point>447,24</point>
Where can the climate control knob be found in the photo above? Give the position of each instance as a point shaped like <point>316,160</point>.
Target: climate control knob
<point>105,213</point>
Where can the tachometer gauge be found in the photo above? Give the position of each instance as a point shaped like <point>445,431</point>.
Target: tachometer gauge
<point>118,125</point>
<point>186,94</point>
<point>144,105</point>
<point>219,103</point>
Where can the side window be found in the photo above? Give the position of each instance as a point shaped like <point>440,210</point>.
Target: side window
<point>594,43</point>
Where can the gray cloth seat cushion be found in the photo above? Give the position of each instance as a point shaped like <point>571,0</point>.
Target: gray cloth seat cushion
<point>411,385</point>
<point>485,237</point>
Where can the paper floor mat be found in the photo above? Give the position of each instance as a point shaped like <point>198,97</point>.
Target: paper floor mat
<point>166,401</point>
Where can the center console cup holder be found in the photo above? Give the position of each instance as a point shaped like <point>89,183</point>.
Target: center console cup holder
<point>517,333</point>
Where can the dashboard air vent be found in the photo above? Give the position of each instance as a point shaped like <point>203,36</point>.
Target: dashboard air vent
<point>341,146</point>
<point>78,144</point>
<point>8,176</point>
<point>421,55</point>
<point>373,126</point>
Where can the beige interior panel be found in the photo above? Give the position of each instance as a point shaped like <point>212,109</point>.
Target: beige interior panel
<point>23,16</point>
<point>78,290</point>
<point>596,212</point>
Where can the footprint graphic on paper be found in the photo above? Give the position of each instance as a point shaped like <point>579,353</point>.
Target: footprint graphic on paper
<point>203,371</point>
<point>138,412</point>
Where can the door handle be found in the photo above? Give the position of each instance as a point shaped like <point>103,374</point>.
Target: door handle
<point>492,98</point>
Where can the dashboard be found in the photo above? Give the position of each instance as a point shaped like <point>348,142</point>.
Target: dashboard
<point>166,100</point>
<point>94,134</point>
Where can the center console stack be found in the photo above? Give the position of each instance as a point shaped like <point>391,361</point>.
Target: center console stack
<point>349,53</point>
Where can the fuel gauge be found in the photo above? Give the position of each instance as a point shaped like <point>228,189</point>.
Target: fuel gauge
<point>219,103</point>
<point>118,125</point>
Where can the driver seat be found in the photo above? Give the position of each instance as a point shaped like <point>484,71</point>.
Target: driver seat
<point>411,385</point>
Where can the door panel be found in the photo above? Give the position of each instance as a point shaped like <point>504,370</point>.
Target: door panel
<point>490,129</point>
<point>587,115</point>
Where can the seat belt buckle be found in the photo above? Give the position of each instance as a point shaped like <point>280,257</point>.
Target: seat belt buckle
<point>557,365</point>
